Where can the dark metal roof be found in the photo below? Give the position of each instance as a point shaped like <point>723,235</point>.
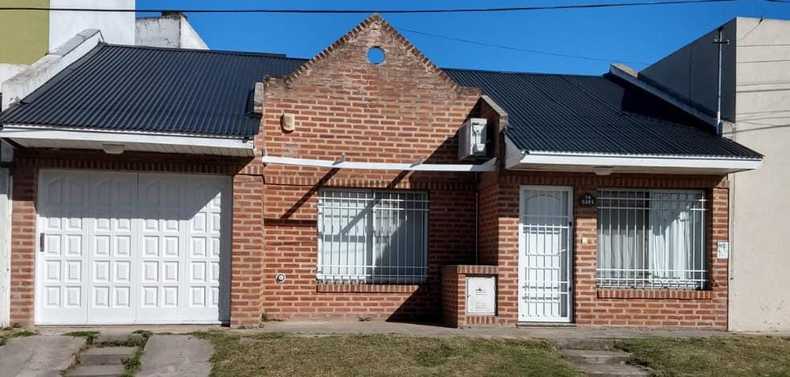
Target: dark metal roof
<point>595,114</point>
<point>209,92</point>
<point>147,89</point>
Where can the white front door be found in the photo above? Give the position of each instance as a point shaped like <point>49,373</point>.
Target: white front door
<point>544,263</point>
<point>124,248</point>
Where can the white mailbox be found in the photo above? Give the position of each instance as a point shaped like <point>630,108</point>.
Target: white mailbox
<point>480,295</point>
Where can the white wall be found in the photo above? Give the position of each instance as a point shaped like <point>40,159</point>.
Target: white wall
<point>117,28</point>
<point>5,245</point>
<point>759,298</point>
<point>9,70</point>
<point>172,30</point>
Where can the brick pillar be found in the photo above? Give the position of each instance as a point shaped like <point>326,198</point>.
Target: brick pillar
<point>719,272</point>
<point>247,254</point>
<point>23,244</point>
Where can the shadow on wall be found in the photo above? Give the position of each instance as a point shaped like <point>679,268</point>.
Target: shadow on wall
<point>390,232</point>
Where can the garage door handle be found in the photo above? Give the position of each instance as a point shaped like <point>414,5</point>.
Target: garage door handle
<point>41,242</point>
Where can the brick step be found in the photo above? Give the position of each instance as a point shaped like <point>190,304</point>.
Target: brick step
<point>596,357</point>
<point>106,355</point>
<point>612,370</point>
<point>97,371</point>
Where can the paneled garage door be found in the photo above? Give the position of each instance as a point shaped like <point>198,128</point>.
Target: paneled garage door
<point>123,248</point>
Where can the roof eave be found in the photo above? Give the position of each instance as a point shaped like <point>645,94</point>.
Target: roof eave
<point>605,164</point>
<point>43,137</point>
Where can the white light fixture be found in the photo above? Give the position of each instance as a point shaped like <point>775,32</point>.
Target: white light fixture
<point>113,148</point>
<point>603,170</point>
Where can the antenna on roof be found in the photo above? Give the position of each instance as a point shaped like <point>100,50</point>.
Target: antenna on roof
<point>719,42</point>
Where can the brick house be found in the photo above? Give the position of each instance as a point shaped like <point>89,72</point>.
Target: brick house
<point>156,185</point>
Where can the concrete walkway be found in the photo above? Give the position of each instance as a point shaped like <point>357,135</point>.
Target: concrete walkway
<point>175,356</point>
<point>410,329</point>
<point>551,333</point>
<point>38,355</point>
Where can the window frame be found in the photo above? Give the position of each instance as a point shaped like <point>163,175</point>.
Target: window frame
<point>700,279</point>
<point>373,233</point>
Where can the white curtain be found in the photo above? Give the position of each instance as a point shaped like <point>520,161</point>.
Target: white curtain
<point>621,234</point>
<point>670,236</point>
<point>650,238</point>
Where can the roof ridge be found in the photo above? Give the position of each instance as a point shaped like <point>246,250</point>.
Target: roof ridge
<point>521,72</point>
<point>207,51</point>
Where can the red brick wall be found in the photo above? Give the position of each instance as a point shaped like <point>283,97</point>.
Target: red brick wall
<point>402,110</point>
<point>23,245</point>
<point>247,250</point>
<point>605,307</point>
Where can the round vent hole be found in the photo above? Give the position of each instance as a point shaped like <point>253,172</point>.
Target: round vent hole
<point>375,55</point>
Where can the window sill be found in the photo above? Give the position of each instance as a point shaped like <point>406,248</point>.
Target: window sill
<point>366,288</point>
<point>654,294</point>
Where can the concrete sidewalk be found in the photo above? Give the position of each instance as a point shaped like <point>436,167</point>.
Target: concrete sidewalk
<point>175,356</point>
<point>544,332</point>
<point>38,355</point>
<point>400,328</point>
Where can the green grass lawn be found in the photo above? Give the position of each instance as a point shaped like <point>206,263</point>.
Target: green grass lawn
<point>730,356</point>
<point>381,355</point>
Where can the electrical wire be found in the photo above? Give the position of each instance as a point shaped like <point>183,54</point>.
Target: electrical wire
<point>511,48</point>
<point>381,11</point>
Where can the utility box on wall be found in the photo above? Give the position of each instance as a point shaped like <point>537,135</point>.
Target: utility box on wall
<point>469,295</point>
<point>480,295</point>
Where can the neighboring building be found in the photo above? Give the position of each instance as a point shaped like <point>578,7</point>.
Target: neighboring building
<point>756,109</point>
<point>5,232</point>
<point>171,29</point>
<point>361,184</point>
<point>30,35</point>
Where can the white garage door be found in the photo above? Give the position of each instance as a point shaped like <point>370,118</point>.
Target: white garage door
<point>123,248</point>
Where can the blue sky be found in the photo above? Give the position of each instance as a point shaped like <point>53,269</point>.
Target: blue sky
<point>634,35</point>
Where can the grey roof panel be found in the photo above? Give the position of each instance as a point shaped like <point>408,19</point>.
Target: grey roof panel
<point>145,89</point>
<point>595,114</point>
<point>209,92</point>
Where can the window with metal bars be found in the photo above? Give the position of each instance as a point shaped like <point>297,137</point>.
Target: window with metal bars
<point>651,239</point>
<point>372,236</point>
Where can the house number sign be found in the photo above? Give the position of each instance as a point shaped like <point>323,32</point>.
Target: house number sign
<point>587,200</point>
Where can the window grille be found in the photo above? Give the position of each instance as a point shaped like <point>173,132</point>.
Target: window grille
<point>372,236</point>
<point>651,239</point>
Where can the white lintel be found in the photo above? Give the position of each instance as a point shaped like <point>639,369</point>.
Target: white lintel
<point>489,165</point>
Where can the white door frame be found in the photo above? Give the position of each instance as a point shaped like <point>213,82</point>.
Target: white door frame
<point>522,309</point>
<point>225,257</point>
<point>5,247</point>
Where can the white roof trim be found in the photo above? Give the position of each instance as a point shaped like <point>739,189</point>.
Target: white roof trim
<point>587,162</point>
<point>489,165</point>
<point>57,138</point>
<point>631,76</point>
